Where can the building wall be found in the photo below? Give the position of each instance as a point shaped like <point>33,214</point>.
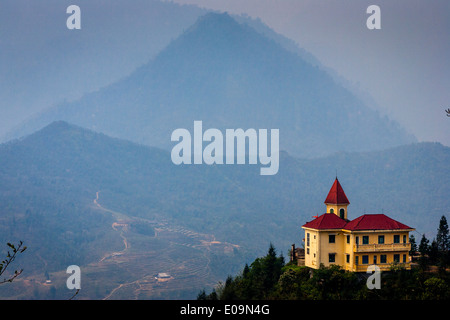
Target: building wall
<point>311,248</point>
<point>349,244</point>
<point>388,249</point>
<point>388,236</point>
<point>360,256</point>
<point>336,209</point>
<point>327,247</point>
<point>320,247</point>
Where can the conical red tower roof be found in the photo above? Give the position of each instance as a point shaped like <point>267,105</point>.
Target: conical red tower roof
<point>336,194</point>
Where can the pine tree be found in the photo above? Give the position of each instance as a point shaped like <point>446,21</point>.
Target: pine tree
<point>272,268</point>
<point>434,252</point>
<point>201,295</point>
<point>424,247</point>
<point>246,270</point>
<point>443,244</point>
<point>412,240</point>
<point>424,250</point>
<point>443,238</point>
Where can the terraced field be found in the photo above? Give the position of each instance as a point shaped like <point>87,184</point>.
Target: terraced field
<point>149,248</point>
<point>132,272</point>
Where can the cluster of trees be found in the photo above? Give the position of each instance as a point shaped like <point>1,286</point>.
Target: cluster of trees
<point>269,277</point>
<point>255,282</point>
<point>435,254</point>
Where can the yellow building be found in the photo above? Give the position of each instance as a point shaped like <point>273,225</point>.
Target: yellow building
<point>371,239</point>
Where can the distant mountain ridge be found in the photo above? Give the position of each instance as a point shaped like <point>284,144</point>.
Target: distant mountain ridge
<point>49,179</point>
<point>230,76</point>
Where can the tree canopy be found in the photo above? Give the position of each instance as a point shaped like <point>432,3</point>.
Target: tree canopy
<point>269,277</point>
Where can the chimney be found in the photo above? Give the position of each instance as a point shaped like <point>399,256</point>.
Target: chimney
<point>293,257</point>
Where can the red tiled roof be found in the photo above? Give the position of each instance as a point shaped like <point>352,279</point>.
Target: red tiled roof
<point>336,194</point>
<point>374,222</point>
<point>364,222</point>
<point>326,221</point>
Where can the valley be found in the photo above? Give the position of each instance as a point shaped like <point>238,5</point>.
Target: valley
<point>132,273</point>
<point>159,253</point>
<point>124,213</point>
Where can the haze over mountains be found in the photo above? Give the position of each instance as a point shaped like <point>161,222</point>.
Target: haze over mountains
<point>229,214</point>
<point>91,182</point>
<point>230,76</point>
<point>43,63</point>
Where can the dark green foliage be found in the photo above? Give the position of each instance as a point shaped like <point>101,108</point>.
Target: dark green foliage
<point>443,244</point>
<point>436,289</point>
<point>256,281</point>
<point>438,252</point>
<point>414,247</point>
<point>328,283</point>
<point>424,250</point>
<point>443,237</point>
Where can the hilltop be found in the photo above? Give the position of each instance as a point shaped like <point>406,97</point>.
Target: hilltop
<point>229,75</point>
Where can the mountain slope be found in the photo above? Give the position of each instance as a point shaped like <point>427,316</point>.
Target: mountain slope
<point>43,63</point>
<point>78,197</point>
<point>48,182</point>
<point>230,76</point>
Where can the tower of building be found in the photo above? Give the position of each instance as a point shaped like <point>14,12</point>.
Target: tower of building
<point>337,201</point>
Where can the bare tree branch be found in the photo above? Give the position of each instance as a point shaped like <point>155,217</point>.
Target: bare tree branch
<point>78,290</point>
<point>9,259</point>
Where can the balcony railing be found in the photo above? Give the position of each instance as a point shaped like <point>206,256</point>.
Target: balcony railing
<point>382,266</point>
<point>375,247</point>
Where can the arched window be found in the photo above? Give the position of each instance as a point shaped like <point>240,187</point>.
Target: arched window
<point>342,213</point>
<point>331,210</point>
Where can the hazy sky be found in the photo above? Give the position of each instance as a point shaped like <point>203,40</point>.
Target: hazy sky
<point>405,66</point>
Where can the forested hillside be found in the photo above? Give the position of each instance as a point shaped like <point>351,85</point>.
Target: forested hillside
<point>48,182</point>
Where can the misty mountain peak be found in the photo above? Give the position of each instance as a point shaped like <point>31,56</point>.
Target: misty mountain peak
<point>219,26</point>
<point>57,133</point>
<point>217,35</point>
<point>57,126</point>
<point>230,76</point>
<point>215,21</point>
